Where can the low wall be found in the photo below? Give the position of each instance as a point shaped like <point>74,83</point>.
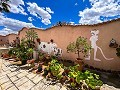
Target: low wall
<point>99,36</point>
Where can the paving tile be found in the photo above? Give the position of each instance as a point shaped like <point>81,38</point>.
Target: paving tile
<point>59,84</point>
<point>26,86</point>
<point>3,80</point>
<point>40,85</point>
<point>35,88</point>
<point>37,78</point>
<point>14,78</point>
<point>4,73</point>
<point>47,82</point>
<point>22,74</point>
<point>4,68</point>
<point>1,71</point>
<point>2,76</point>
<point>12,74</point>
<point>22,71</point>
<point>12,69</point>
<point>44,87</point>
<point>63,88</point>
<point>57,87</point>
<point>21,81</point>
<point>31,75</point>
<point>50,87</point>
<point>6,85</point>
<point>53,87</point>
<point>6,63</point>
<point>12,88</point>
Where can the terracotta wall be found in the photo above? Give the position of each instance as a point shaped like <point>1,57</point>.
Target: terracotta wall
<point>62,36</point>
<point>3,40</point>
<point>22,33</point>
<point>7,39</point>
<point>11,37</point>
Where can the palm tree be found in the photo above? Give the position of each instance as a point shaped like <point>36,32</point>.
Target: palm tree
<point>4,6</point>
<point>31,35</point>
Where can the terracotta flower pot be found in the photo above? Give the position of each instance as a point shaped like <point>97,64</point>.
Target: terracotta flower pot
<point>24,62</point>
<point>81,64</point>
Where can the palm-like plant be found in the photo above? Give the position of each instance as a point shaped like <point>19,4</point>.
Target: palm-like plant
<point>31,35</point>
<point>4,6</point>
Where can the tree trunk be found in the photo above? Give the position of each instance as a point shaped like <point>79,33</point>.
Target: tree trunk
<point>78,53</point>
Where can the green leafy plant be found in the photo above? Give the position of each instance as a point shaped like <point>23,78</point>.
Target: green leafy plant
<point>23,51</point>
<point>55,67</point>
<point>80,46</point>
<point>31,35</point>
<point>77,77</point>
<point>92,79</point>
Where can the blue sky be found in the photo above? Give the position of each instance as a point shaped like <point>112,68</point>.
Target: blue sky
<point>45,13</point>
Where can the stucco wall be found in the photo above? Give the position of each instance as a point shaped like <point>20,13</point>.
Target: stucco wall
<point>11,37</point>
<point>3,40</point>
<point>62,36</point>
<point>7,39</point>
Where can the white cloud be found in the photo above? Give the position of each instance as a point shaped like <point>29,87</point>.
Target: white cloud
<point>30,19</point>
<point>72,23</point>
<point>12,25</point>
<point>6,31</point>
<point>40,12</point>
<point>49,10</point>
<point>16,6</point>
<point>76,4</point>
<point>104,8</point>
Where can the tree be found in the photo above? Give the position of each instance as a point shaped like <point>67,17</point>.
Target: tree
<point>4,6</point>
<point>80,46</point>
<point>31,35</point>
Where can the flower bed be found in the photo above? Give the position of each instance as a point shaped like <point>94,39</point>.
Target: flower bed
<point>71,77</point>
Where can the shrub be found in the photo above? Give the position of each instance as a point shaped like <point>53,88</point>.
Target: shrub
<point>80,46</point>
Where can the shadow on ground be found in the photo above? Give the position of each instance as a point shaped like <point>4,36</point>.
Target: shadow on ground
<point>112,79</point>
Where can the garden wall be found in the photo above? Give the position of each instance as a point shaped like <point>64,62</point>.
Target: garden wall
<point>11,37</point>
<point>99,36</point>
<point>3,40</point>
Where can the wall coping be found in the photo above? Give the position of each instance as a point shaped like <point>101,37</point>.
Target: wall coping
<point>90,25</point>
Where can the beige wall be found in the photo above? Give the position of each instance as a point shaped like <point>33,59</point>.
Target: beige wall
<point>11,37</point>
<point>22,33</point>
<point>62,36</point>
<point>8,38</point>
<point>3,40</point>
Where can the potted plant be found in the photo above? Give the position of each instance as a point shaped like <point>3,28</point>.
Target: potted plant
<point>80,46</point>
<point>118,51</point>
<point>56,68</point>
<point>38,40</point>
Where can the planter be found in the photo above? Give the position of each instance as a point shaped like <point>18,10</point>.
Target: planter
<point>45,72</point>
<point>24,62</point>
<point>35,55</point>
<point>81,64</point>
<point>17,59</point>
<point>66,71</point>
<point>79,58</point>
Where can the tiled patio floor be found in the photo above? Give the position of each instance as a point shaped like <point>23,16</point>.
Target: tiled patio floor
<point>13,78</point>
